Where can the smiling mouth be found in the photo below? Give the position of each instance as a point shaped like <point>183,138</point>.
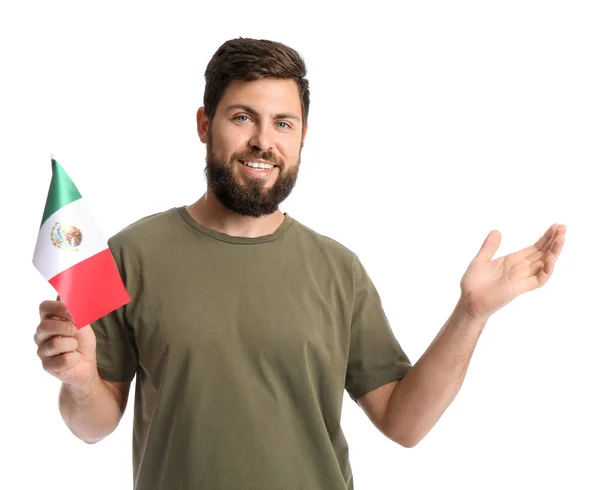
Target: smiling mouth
<point>258,165</point>
<point>257,170</point>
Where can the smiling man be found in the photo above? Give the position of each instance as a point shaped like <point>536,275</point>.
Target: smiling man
<point>254,138</point>
<point>246,327</point>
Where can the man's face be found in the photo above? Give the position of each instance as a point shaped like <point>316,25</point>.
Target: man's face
<point>254,143</point>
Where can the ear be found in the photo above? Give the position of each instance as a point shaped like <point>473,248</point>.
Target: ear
<point>202,123</point>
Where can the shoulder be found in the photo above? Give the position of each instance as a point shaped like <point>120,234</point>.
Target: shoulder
<point>144,230</point>
<point>323,244</point>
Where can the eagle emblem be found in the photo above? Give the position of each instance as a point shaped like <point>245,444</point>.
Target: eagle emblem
<point>66,237</point>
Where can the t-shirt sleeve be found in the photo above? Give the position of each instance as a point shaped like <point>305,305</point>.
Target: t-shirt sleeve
<point>116,350</point>
<point>375,356</point>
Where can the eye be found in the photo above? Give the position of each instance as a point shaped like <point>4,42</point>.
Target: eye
<point>283,125</point>
<point>241,118</point>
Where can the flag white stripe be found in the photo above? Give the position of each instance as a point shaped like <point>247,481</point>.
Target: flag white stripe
<point>51,260</point>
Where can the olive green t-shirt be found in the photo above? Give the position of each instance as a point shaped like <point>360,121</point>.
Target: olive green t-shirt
<point>242,349</point>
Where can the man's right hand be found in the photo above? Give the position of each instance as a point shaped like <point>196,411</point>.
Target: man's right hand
<point>66,353</point>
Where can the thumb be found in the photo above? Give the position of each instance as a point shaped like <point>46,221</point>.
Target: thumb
<point>86,338</point>
<point>490,245</point>
<point>61,312</point>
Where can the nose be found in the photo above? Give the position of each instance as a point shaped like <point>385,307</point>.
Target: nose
<point>262,138</point>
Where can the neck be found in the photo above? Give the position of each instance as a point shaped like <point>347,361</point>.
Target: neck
<point>209,212</point>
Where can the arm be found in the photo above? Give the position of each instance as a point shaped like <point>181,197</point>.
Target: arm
<point>406,410</point>
<point>93,410</point>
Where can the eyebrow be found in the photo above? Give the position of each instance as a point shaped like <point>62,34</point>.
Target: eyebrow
<point>281,115</point>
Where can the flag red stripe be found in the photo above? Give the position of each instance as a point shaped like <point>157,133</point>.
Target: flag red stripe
<point>91,289</point>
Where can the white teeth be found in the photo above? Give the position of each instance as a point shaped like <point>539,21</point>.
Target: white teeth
<point>258,165</point>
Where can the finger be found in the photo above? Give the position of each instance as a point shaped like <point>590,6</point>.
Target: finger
<point>53,327</point>
<point>49,309</point>
<point>548,246</point>
<point>541,247</point>
<point>521,273</point>
<point>490,245</point>
<point>60,363</point>
<point>526,271</point>
<point>532,276</point>
<point>536,268</point>
<point>534,257</point>
<point>544,276</point>
<point>557,246</point>
<point>540,254</point>
<point>546,237</point>
<point>550,259</point>
<point>56,346</point>
<point>558,238</point>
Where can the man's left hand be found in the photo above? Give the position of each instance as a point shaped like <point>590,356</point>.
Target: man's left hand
<point>488,284</point>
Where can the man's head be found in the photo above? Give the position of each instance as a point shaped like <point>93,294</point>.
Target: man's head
<point>253,121</point>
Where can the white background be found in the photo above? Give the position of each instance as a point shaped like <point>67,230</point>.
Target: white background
<point>429,125</point>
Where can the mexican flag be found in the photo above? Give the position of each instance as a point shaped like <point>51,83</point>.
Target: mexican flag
<point>74,257</point>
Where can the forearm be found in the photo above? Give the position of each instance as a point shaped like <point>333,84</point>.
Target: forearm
<point>421,397</point>
<point>90,411</point>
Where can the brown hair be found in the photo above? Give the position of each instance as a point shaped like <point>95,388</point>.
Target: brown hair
<point>253,59</point>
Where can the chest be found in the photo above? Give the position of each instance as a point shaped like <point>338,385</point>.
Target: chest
<point>244,311</point>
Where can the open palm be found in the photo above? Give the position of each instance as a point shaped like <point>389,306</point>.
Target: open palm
<point>488,284</point>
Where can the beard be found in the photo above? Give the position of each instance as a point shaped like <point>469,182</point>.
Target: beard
<point>250,198</point>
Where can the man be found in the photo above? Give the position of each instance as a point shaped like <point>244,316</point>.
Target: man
<point>245,326</point>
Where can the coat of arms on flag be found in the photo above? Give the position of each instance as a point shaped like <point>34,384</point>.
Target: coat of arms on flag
<point>74,257</point>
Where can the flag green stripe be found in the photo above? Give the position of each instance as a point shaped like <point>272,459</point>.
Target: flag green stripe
<point>62,191</point>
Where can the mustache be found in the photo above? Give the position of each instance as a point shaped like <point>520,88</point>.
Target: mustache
<point>267,156</point>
